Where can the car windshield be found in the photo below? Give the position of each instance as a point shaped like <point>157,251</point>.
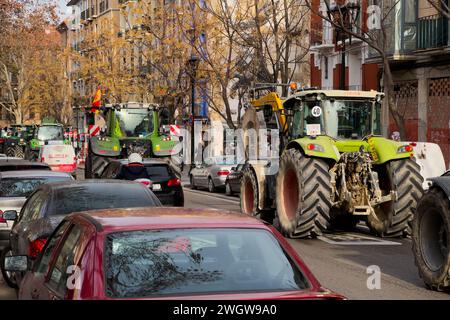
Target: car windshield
<point>101,196</point>
<point>50,133</point>
<point>22,187</point>
<point>135,122</point>
<point>197,261</point>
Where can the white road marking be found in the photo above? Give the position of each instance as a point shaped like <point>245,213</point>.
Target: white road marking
<point>235,201</point>
<point>352,239</point>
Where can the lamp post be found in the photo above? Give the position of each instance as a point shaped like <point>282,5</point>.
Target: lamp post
<point>193,65</point>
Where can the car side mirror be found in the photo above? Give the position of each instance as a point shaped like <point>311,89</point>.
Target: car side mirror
<point>233,168</point>
<point>16,263</point>
<point>10,215</point>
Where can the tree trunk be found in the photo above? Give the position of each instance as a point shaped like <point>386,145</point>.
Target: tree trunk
<point>388,83</point>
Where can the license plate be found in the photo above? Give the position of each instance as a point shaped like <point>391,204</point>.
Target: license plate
<point>156,187</point>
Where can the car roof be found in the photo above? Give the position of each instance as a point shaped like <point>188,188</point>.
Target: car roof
<point>32,173</point>
<point>19,162</point>
<point>127,219</point>
<point>83,183</point>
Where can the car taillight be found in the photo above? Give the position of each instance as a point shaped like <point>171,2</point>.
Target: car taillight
<point>36,247</point>
<point>2,140</point>
<point>2,220</point>
<point>42,159</point>
<point>223,173</point>
<point>173,182</point>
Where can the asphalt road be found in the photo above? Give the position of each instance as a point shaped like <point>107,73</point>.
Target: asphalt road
<point>339,261</point>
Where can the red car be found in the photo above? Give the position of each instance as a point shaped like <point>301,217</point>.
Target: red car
<point>166,253</point>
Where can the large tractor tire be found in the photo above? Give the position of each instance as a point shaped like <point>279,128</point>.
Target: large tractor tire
<point>394,218</point>
<point>10,151</point>
<point>19,152</point>
<point>303,195</point>
<point>431,240</point>
<point>88,173</point>
<point>249,197</point>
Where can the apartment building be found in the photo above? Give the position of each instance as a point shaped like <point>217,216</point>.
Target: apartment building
<point>419,50</point>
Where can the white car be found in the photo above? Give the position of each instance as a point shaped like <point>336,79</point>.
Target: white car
<point>59,156</point>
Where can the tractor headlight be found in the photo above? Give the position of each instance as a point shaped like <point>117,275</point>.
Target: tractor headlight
<point>315,147</point>
<point>405,148</point>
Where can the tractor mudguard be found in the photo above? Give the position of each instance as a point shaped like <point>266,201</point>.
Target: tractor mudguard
<point>319,147</point>
<point>384,150</point>
<point>442,183</point>
<point>110,147</point>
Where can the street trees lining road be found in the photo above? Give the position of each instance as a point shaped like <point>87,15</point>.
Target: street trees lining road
<point>31,71</point>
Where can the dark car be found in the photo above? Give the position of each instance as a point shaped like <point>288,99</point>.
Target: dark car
<point>163,181</point>
<point>50,203</point>
<point>8,164</point>
<point>166,253</point>
<point>233,181</point>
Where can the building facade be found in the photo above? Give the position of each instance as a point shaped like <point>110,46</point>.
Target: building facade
<point>419,50</point>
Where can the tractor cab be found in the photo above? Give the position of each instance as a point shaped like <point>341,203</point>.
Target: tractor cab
<point>341,115</point>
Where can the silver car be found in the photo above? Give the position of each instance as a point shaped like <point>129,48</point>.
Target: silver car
<point>212,174</point>
<point>15,186</point>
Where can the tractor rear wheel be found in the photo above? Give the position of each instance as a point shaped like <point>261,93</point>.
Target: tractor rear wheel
<point>431,240</point>
<point>10,151</point>
<point>393,218</point>
<point>19,152</point>
<point>88,165</point>
<point>303,195</point>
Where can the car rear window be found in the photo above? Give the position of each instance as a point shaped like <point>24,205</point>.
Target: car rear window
<point>22,187</point>
<point>101,196</point>
<point>197,261</point>
<point>158,172</point>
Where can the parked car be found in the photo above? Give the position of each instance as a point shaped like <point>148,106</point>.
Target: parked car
<point>211,174</point>
<point>166,253</point>
<point>50,203</point>
<point>233,181</point>
<point>8,164</point>
<point>164,183</point>
<point>15,187</point>
<point>60,157</point>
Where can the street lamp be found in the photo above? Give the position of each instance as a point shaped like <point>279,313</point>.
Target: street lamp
<point>193,66</point>
<point>345,16</point>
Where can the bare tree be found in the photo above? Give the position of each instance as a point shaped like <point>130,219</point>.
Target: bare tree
<point>376,37</point>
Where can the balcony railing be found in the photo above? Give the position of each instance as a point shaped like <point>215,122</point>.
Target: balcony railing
<point>432,32</point>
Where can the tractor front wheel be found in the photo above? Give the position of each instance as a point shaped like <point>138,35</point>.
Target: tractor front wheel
<point>431,240</point>
<point>88,165</point>
<point>249,193</point>
<point>303,195</point>
<point>393,218</point>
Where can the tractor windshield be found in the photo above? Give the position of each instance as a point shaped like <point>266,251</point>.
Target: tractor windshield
<point>347,119</point>
<point>50,133</point>
<point>340,119</point>
<point>135,122</point>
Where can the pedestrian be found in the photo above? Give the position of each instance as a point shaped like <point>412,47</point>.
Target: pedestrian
<point>135,169</point>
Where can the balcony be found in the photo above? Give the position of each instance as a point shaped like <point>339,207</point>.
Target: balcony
<point>432,32</point>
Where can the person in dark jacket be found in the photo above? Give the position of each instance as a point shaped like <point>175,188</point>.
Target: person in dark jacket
<point>134,170</point>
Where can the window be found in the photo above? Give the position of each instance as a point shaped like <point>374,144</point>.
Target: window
<point>197,261</point>
<point>65,258</point>
<point>158,173</point>
<point>325,62</point>
<point>41,266</point>
<point>32,207</point>
<point>23,187</point>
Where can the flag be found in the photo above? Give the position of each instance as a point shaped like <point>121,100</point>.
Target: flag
<point>97,98</point>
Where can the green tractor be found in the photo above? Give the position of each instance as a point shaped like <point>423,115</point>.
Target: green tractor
<point>335,168</point>
<point>15,144</point>
<point>45,132</point>
<point>128,128</point>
